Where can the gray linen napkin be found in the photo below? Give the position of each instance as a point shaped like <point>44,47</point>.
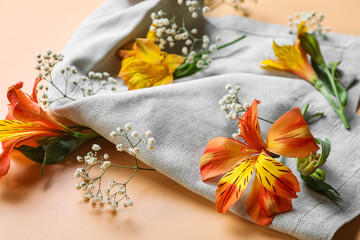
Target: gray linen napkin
<point>185,115</point>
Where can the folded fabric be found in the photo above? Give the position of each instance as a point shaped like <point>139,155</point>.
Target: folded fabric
<point>185,115</point>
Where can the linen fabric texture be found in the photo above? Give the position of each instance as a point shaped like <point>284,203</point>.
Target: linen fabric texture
<point>185,115</point>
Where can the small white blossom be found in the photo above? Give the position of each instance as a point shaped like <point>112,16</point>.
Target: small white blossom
<point>120,147</point>
<point>95,147</point>
<point>148,134</point>
<point>134,134</point>
<point>113,134</point>
<point>127,126</point>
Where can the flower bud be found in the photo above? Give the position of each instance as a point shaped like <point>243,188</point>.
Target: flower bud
<point>310,44</point>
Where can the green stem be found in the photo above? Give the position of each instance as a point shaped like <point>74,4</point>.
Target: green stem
<point>319,86</point>
<point>265,120</point>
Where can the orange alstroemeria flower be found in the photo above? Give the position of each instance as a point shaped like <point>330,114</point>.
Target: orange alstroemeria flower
<point>147,66</point>
<point>25,121</point>
<point>292,58</point>
<point>274,185</point>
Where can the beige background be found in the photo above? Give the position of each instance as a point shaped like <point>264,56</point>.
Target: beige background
<point>50,208</point>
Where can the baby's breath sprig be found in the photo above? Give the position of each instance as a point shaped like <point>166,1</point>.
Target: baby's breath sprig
<point>116,191</point>
<point>312,20</point>
<point>168,30</point>
<point>88,85</point>
<point>234,107</point>
<point>91,84</point>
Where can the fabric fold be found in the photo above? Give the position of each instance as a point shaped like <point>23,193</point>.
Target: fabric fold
<point>183,116</point>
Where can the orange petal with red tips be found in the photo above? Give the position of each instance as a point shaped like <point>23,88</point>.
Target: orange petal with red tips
<point>276,177</point>
<point>290,136</point>
<point>262,205</point>
<point>220,155</point>
<point>34,92</point>
<point>232,185</point>
<point>23,108</point>
<point>250,129</point>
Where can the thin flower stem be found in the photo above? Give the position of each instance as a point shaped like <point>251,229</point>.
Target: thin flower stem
<point>340,112</point>
<point>265,120</point>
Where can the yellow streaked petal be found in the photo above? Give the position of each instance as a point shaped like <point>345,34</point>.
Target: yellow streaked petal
<point>302,29</point>
<point>276,177</point>
<point>273,64</point>
<point>233,184</point>
<point>146,50</point>
<point>173,61</point>
<point>10,129</point>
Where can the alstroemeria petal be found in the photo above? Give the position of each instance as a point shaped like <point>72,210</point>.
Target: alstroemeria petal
<point>276,177</point>
<point>220,155</point>
<point>233,184</point>
<point>146,50</point>
<point>34,92</point>
<point>173,61</point>
<point>262,206</point>
<point>273,64</point>
<point>249,128</point>
<point>290,136</point>
<point>23,108</point>
<point>10,129</point>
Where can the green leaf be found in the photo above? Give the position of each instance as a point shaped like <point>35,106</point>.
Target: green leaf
<point>327,82</point>
<point>57,151</point>
<point>322,187</point>
<point>325,150</point>
<point>32,153</point>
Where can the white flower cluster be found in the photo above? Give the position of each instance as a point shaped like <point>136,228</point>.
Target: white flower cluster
<point>133,148</point>
<point>94,82</point>
<point>233,107</point>
<point>169,30</point>
<point>92,159</point>
<point>116,191</point>
<point>89,85</point>
<point>46,62</point>
<point>312,20</point>
<point>45,65</point>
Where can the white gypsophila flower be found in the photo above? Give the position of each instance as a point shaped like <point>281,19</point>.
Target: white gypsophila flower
<point>150,147</point>
<point>129,203</point>
<point>80,159</point>
<point>119,130</point>
<point>95,147</point>
<point>212,48</point>
<point>151,141</point>
<point>136,150</point>
<point>148,134</point>
<point>237,88</point>
<point>194,31</point>
<point>120,147</point>
<point>121,191</point>
<point>218,38</point>
<point>113,134</point>
<point>112,183</point>
<point>135,134</point>
<point>106,156</point>
<point>228,86</point>
<point>127,126</point>
<point>184,50</point>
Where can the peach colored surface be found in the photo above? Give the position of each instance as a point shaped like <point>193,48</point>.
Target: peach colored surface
<point>50,208</point>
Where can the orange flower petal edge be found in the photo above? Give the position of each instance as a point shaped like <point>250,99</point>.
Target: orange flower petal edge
<point>24,108</point>
<point>220,155</point>
<point>262,205</point>
<point>250,129</point>
<point>290,136</point>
